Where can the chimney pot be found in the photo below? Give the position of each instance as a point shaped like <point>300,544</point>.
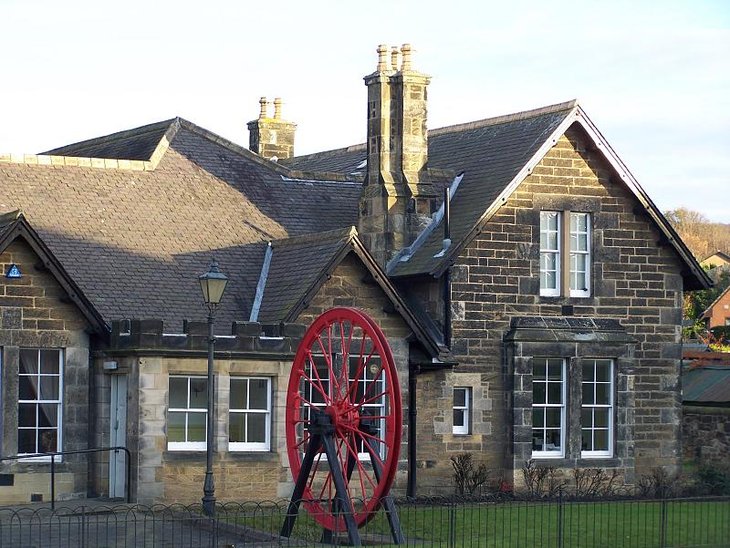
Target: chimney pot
<point>264,113</point>
<point>395,52</point>
<point>406,51</point>
<point>382,57</point>
<point>277,108</point>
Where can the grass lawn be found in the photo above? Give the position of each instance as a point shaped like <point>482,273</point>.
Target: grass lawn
<point>611,524</point>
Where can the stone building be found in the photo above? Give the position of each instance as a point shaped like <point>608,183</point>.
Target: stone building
<point>535,314</point>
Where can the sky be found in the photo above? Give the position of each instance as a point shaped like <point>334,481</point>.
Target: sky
<point>654,76</point>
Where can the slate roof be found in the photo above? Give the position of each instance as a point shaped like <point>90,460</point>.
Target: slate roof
<point>709,384</point>
<point>13,225</point>
<point>490,152</point>
<point>133,144</point>
<point>492,157</point>
<point>296,268</point>
<point>295,265</point>
<point>136,240</point>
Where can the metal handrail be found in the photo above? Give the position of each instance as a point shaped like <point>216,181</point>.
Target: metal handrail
<point>53,454</point>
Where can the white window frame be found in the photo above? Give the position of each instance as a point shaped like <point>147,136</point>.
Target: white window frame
<point>558,453</point>
<point>187,445</point>
<point>565,253</point>
<point>462,429</point>
<point>556,252</point>
<point>575,237</point>
<point>246,445</point>
<point>58,402</point>
<point>610,407</point>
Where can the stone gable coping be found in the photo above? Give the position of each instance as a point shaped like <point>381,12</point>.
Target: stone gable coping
<point>278,340</point>
<point>68,161</point>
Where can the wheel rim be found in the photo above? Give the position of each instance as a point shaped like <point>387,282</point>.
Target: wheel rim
<point>364,406</point>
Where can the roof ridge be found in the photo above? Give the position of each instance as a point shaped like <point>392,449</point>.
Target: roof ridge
<point>504,118</point>
<point>334,234</point>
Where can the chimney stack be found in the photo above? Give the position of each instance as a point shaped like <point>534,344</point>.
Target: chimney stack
<point>397,196</point>
<point>272,138</point>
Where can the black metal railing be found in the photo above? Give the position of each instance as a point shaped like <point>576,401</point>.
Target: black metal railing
<point>505,522</point>
<point>53,454</point>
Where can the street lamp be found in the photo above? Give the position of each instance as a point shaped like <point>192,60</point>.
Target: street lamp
<point>213,284</point>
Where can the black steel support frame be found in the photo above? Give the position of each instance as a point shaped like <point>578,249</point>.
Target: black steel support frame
<point>321,433</point>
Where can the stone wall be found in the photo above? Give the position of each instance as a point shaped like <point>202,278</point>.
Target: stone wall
<point>35,312</point>
<point>706,434</point>
<point>635,281</point>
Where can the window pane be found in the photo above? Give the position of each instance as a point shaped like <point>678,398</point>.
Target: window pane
<point>48,414</point>
<point>196,426</point>
<point>459,397</point>
<point>49,388</point>
<point>178,393</point>
<point>26,441</point>
<point>548,220</point>
<point>552,417</point>
<point>50,361</point>
<point>586,442</point>
<point>538,417</point>
<point>256,428</point>
<point>555,370</point>
<point>198,393</point>
<point>28,361</point>
<point>538,370</point>
<point>175,426</point>
<point>602,394</point>
<point>47,440</point>
<point>601,440</point>
<point>239,394</point>
<point>538,392</point>
<point>237,427</point>
<point>588,393</point>
<point>578,222</point>
<point>27,414</point>
<point>603,370</point>
<point>458,417</point>
<point>555,392</point>
<point>28,388</point>
<point>537,440</point>
<point>586,417</point>
<point>553,438</point>
<point>601,417</point>
<point>259,396</point>
<point>588,372</point>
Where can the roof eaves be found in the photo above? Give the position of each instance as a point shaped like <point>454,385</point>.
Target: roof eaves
<point>504,119</point>
<point>702,279</point>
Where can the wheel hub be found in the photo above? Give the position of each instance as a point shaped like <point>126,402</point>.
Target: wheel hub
<point>344,415</point>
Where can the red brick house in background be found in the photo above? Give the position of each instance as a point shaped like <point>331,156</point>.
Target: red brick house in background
<point>544,324</point>
<point>718,313</point>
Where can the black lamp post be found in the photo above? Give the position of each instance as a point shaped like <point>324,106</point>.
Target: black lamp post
<point>213,284</point>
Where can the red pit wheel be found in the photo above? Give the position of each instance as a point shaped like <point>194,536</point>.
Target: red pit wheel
<point>343,388</point>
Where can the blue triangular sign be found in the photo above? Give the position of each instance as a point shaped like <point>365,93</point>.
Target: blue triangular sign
<point>13,271</point>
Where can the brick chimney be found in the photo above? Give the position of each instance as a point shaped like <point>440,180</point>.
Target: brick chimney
<point>397,196</point>
<point>272,138</point>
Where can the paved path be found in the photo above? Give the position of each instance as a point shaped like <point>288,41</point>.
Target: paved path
<point>98,524</point>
